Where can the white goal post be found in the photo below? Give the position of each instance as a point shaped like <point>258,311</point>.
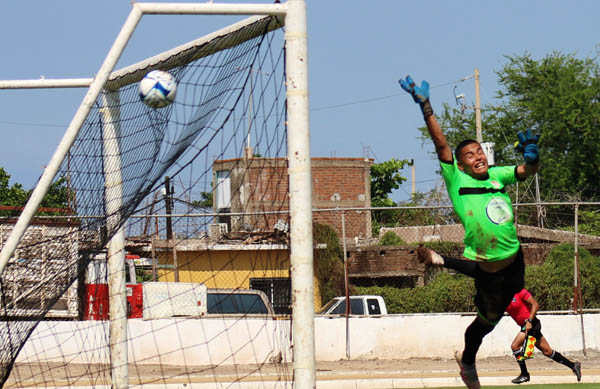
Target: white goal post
<point>293,15</point>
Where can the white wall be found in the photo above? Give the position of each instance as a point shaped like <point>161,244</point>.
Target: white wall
<point>215,341</point>
<point>438,336</point>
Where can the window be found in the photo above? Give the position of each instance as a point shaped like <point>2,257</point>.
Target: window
<point>236,303</point>
<point>373,307</point>
<point>223,189</point>
<point>278,290</point>
<point>356,307</point>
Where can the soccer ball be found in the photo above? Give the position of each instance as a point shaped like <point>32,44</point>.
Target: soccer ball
<point>158,89</point>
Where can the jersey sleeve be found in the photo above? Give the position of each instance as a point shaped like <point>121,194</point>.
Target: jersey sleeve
<point>449,172</point>
<point>505,174</point>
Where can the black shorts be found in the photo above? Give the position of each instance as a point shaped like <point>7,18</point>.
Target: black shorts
<point>494,291</point>
<point>536,329</point>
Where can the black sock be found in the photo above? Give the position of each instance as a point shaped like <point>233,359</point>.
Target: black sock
<point>473,337</point>
<point>558,357</point>
<point>523,368</point>
<point>521,362</point>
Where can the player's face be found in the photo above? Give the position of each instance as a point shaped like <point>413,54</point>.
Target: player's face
<point>473,161</point>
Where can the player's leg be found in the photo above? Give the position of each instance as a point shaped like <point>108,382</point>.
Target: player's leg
<point>517,343</point>
<point>431,258</point>
<point>545,348</point>
<point>494,292</point>
<point>483,324</point>
<point>517,349</point>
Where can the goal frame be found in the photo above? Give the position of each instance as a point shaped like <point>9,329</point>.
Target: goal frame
<point>292,14</point>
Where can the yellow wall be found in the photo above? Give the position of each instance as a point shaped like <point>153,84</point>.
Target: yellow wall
<point>228,268</point>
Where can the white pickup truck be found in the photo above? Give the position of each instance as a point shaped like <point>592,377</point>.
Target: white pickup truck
<point>359,306</point>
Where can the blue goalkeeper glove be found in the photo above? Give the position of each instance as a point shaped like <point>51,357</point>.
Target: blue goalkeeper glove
<point>420,94</point>
<point>527,145</point>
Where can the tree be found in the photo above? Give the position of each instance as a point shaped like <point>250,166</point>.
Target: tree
<point>206,201</point>
<point>13,195</point>
<point>16,196</point>
<point>385,177</point>
<point>557,97</point>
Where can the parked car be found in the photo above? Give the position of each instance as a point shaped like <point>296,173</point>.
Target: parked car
<point>238,302</point>
<point>359,306</point>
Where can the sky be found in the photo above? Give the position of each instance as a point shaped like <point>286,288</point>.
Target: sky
<point>357,51</point>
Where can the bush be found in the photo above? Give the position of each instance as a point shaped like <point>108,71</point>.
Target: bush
<point>390,238</point>
<point>329,262</point>
<point>551,284</point>
<point>446,293</point>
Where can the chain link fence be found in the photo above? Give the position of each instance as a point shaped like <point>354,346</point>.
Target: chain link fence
<point>566,232</point>
<point>378,245</point>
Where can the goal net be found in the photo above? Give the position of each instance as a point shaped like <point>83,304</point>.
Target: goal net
<point>203,202</point>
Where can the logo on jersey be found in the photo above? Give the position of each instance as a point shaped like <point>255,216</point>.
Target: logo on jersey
<point>498,210</point>
<point>495,184</point>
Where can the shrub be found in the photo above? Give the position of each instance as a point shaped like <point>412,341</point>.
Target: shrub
<point>329,263</point>
<point>390,238</point>
<point>551,284</point>
<point>446,293</point>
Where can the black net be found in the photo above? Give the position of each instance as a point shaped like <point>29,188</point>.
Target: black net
<point>200,189</point>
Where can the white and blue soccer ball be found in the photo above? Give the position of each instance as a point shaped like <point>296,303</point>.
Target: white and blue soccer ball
<point>158,89</point>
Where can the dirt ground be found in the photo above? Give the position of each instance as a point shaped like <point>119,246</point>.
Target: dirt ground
<point>507,363</point>
<point>31,375</point>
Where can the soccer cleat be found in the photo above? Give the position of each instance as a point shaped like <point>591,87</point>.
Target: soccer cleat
<point>468,373</point>
<point>577,370</point>
<point>521,379</point>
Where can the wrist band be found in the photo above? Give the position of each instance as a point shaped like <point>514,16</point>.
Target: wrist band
<point>426,109</point>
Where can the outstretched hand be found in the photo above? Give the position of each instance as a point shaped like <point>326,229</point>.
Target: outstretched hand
<point>419,93</point>
<point>527,145</point>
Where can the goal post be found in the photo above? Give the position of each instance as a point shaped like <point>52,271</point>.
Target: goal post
<point>300,194</point>
<point>120,202</point>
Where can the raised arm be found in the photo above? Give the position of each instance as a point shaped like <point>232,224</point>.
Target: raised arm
<point>421,96</point>
<point>527,145</point>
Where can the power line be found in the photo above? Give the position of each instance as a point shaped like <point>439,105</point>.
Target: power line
<point>34,124</point>
<point>327,107</point>
<point>365,101</point>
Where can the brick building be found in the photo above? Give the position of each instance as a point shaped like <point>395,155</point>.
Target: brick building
<point>386,265</point>
<point>247,185</point>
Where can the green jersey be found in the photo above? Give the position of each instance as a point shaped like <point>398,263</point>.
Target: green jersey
<point>485,211</point>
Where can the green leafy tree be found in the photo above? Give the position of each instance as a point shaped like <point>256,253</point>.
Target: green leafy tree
<point>15,196</point>
<point>206,201</point>
<point>385,177</point>
<point>57,195</point>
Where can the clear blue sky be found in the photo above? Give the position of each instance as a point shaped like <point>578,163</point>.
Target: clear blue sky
<point>357,52</point>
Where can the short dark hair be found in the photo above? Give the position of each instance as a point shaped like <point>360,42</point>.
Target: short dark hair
<point>462,145</point>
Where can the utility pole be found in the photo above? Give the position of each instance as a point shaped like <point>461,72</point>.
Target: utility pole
<point>168,207</point>
<point>414,186</point>
<point>477,107</point>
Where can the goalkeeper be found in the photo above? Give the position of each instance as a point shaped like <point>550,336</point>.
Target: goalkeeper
<point>522,309</point>
<point>478,196</point>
